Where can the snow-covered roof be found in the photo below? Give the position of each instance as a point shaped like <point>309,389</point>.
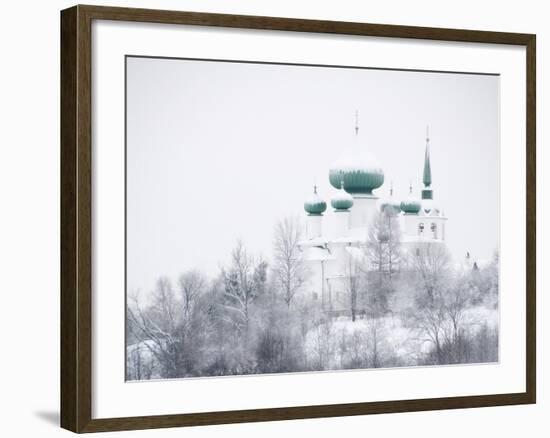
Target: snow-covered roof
<point>358,169</point>
<point>356,158</point>
<point>316,241</point>
<point>343,239</point>
<point>316,253</point>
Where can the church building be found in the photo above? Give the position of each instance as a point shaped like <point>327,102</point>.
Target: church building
<point>333,249</point>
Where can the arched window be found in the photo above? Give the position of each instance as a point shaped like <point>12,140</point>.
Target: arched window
<point>420,228</point>
<point>433,227</point>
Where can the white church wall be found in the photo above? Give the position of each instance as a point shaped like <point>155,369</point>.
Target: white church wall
<point>363,210</point>
<point>314,226</point>
<point>340,224</point>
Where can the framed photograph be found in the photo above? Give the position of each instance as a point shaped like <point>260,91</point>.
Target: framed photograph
<point>272,218</point>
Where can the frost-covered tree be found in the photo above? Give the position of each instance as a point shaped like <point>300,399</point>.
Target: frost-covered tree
<point>429,316</point>
<point>456,301</point>
<point>485,282</point>
<point>354,279</point>
<point>140,363</point>
<point>445,316</point>
<point>383,258</point>
<point>428,322</point>
<point>288,269</point>
<point>383,247</point>
<point>243,282</point>
<point>431,263</point>
<point>251,319</point>
<point>172,330</point>
<point>191,285</point>
<point>323,343</point>
<point>156,327</point>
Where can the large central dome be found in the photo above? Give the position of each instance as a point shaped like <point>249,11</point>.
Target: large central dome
<point>358,169</point>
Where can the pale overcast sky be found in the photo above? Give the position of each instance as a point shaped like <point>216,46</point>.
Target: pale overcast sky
<point>219,151</point>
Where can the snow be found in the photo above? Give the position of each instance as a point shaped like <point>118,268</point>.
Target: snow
<point>342,196</point>
<point>357,162</point>
<point>402,341</point>
<point>317,254</point>
<point>317,241</point>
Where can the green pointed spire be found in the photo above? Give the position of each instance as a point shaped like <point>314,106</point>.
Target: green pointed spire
<point>427,192</point>
<point>427,178</point>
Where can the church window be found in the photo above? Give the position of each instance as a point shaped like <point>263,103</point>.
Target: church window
<point>434,230</point>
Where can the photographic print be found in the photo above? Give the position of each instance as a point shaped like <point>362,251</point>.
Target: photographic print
<point>286,218</point>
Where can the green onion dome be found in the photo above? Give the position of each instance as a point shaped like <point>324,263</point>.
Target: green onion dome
<point>359,170</point>
<point>390,204</point>
<point>314,205</point>
<point>342,201</point>
<point>411,205</point>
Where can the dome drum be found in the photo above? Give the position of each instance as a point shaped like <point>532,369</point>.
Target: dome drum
<point>427,193</point>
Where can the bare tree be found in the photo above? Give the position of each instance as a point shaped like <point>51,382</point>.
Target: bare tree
<point>383,247</point>
<point>441,314</point>
<point>456,300</point>
<point>288,268</point>
<point>353,349</point>
<point>240,290</point>
<point>323,347</point>
<point>431,262</point>
<point>140,364</point>
<point>429,324</point>
<point>172,329</point>
<point>191,285</point>
<point>156,327</point>
<point>374,337</point>
<point>429,317</point>
<point>353,279</point>
<point>366,346</point>
<point>484,282</point>
<point>383,258</point>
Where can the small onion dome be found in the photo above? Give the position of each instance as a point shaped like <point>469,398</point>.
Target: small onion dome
<point>315,206</point>
<point>342,201</point>
<point>411,205</point>
<point>359,170</point>
<point>390,204</point>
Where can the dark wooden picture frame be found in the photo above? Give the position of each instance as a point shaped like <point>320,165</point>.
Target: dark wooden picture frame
<point>76,218</point>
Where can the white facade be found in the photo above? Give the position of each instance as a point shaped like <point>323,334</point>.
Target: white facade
<point>423,227</point>
<point>335,244</point>
<point>363,210</point>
